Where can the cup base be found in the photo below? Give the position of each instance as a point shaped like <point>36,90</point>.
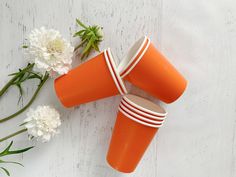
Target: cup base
<point>117,168</point>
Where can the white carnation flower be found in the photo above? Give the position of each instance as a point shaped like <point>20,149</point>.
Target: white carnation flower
<point>49,51</point>
<point>42,123</point>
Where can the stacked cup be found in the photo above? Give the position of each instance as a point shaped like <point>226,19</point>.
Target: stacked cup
<point>137,122</point>
<point>138,119</point>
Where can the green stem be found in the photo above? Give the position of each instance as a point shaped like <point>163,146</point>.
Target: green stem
<point>46,76</point>
<point>78,46</point>
<point>5,88</point>
<point>13,134</point>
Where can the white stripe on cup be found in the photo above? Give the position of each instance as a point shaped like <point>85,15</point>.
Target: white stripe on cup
<point>144,109</point>
<point>138,121</point>
<point>141,117</point>
<point>142,113</point>
<point>116,72</point>
<point>112,73</point>
<point>136,62</point>
<point>120,69</point>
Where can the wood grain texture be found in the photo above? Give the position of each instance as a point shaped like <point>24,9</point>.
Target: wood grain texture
<point>199,38</point>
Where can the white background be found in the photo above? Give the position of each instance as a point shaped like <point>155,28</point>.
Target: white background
<point>198,37</point>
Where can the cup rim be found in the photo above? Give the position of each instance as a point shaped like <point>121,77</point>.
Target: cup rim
<point>119,79</point>
<point>126,67</point>
<point>114,73</point>
<point>124,64</point>
<point>137,111</point>
<point>138,121</point>
<point>138,116</point>
<point>142,108</point>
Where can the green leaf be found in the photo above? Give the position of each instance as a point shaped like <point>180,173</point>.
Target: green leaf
<point>5,170</point>
<point>25,46</point>
<point>79,33</point>
<point>95,46</point>
<point>24,123</point>
<point>88,52</point>
<point>11,162</point>
<point>13,74</point>
<point>20,150</point>
<point>7,150</point>
<point>90,37</point>
<point>23,75</point>
<point>88,46</point>
<point>20,89</point>
<point>35,76</point>
<point>81,24</point>
<point>80,45</point>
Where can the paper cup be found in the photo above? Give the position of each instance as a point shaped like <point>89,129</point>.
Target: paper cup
<point>139,104</point>
<point>95,79</point>
<point>130,139</point>
<point>146,68</point>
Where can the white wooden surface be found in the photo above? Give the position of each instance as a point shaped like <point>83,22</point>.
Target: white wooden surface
<point>199,37</point>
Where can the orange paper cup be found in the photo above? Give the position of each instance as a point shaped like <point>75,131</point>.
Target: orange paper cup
<point>95,79</point>
<point>130,139</point>
<point>146,68</point>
